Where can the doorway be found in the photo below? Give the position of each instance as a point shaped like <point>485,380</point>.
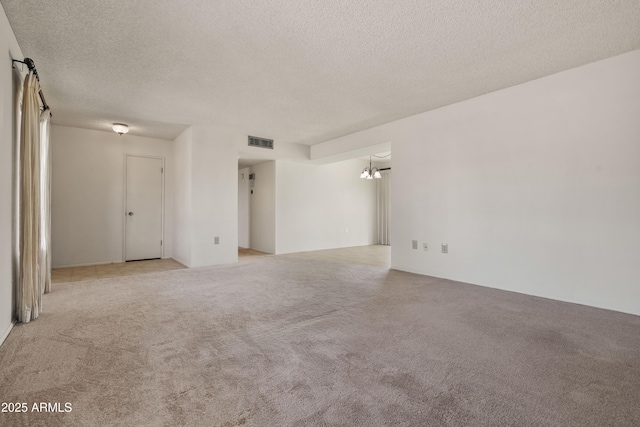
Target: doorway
<point>243,207</point>
<point>144,208</point>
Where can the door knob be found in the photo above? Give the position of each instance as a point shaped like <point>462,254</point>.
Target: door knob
<point>130,213</point>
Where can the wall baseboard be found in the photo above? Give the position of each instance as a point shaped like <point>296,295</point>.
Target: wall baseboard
<point>102,263</point>
<point>5,334</point>
<point>531,294</point>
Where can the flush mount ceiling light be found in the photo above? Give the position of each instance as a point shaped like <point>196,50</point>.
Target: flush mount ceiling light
<point>120,128</point>
<point>370,172</point>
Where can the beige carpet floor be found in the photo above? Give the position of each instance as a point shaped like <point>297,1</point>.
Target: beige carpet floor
<point>375,255</point>
<point>285,341</point>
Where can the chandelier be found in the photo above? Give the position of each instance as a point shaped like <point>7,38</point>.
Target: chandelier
<point>370,172</point>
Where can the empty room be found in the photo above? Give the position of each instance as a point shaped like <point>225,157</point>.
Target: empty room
<point>278,213</point>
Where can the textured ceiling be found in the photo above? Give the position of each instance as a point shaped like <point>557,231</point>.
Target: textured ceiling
<point>299,71</point>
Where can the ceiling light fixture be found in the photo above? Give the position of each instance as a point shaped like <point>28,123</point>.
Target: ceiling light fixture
<point>120,128</point>
<point>370,172</point>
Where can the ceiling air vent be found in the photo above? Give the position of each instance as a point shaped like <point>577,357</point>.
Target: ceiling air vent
<point>254,141</point>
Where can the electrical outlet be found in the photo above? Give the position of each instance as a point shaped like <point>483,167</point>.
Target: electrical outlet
<point>425,247</point>
<point>414,244</point>
<point>445,248</point>
<point>216,240</point>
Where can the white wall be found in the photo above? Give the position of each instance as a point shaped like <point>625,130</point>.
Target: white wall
<point>87,204</point>
<point>263,208</point>
<point>214,198</point>
<point>323,207</point>
<point>243,207</point>
<point>206,197</point>
<point>536,188</point>
<point>8,89</point>
<point>182,198</point>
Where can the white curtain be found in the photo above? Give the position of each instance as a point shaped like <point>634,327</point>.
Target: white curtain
<point>18,81</point>
<point>45,188</point>
<point>383,207</point>
<point>33,196</point>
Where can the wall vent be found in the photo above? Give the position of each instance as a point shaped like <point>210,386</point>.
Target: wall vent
<point>254,141</point>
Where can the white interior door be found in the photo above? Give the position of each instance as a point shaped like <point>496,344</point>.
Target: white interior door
<point>143,223</point>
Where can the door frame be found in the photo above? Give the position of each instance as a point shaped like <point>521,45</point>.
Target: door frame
<point>124,204</point>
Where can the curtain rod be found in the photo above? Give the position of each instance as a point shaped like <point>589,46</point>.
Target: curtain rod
<point>32,67</point>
